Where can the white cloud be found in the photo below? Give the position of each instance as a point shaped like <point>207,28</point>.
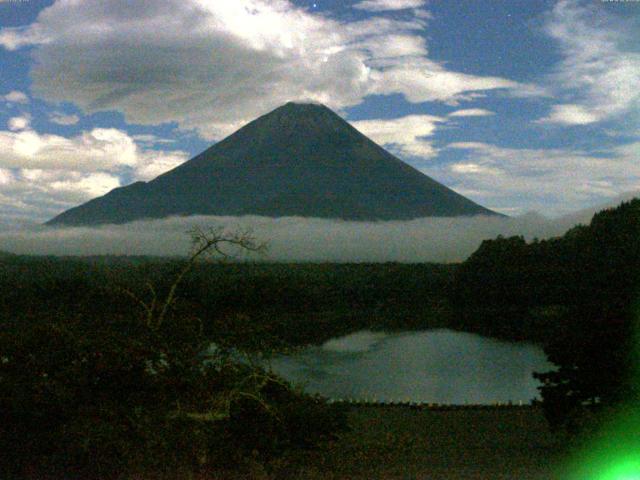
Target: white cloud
<point>471,112</point>
<point>214,66</point>
<point>474,168</point>
<point>37,195</point>
<point>18,123</point>
<point>72,186</point>
<point>386,5</point>
<point>600,70</point>
<point>404,135</point>
<point>101,149</point>
<point>149,138</point>
<point>553,181</point>
<point>154,163</point>
<point>93,185</point>
<point>5,176</point>
<point>206,65</point>
<point>42,174</point>
<point>570,115</point>
<point>15,97</point>
<point>421,80</point>
<point>63,119</point>
<point>17,37</point>
<point>386,48</point>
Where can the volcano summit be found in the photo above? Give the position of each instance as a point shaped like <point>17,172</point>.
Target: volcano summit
<point>298,160</point>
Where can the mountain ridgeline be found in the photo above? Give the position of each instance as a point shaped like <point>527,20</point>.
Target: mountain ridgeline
<point>298,160</point>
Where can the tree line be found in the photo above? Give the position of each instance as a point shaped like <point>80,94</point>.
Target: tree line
<point>577,295</point>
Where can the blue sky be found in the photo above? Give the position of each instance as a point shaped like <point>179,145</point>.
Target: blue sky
<point>518,105</point>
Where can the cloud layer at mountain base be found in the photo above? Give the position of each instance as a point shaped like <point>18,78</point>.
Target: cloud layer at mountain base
<point>292,238</point>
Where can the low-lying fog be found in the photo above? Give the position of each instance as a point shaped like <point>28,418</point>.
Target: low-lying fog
<point>292,238</point>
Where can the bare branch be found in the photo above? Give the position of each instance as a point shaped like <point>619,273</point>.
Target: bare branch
<point>138,300</point>
<point>204,242</point>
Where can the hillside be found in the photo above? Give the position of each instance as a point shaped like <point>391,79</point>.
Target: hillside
<point>576,294</point>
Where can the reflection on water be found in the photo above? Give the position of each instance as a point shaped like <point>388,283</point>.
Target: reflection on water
<point>436,366</point>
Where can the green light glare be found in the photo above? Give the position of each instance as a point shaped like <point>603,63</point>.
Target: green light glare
<point>613,453</point>
<point>626,470</point>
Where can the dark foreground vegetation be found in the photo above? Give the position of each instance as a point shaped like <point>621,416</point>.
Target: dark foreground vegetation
<point>103,370</point>
<point>243,304</point>
<point>94,387</point>
<point>578,296</point>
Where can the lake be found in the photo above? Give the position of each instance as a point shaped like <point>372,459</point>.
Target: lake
<point>435,366</point>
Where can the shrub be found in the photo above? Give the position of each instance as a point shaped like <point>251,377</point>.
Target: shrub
<point>137,394</point>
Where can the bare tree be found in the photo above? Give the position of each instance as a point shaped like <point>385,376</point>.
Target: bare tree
<point>212,242</point>
<point>220,245</point>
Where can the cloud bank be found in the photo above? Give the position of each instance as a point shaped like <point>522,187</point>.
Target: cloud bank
<point>213,66</point>
<point>556,180</point>
<point>292,238</point>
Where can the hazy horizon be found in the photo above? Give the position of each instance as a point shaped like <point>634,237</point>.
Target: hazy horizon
<point>434,239</point>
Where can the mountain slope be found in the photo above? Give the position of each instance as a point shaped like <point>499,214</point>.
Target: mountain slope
<point>300,159</point>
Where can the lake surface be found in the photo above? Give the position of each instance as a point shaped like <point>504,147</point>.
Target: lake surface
<point>435,366</point>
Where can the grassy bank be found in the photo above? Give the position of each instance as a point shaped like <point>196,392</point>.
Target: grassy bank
<point>404,443</point>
